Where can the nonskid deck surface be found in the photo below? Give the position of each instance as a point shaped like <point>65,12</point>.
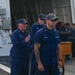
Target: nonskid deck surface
<point>5,66</point>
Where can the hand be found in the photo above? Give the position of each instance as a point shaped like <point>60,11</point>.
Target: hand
<point>27,39</point>
<point>59,64</point>
<point>40,67</point>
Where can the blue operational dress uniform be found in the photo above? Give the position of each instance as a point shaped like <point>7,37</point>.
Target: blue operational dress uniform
<point>19,53</point>
<point>35,27</point>
<point>49,39</point>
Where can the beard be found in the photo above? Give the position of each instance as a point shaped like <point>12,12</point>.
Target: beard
<point>52,26</point>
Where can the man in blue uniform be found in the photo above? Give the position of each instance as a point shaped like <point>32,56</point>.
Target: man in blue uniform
<point>35,27</point>
<point>47,48</point>
<point>19,51</point>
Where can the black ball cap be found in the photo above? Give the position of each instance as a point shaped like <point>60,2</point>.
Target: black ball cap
<point>42,16</point>
<point>51,16</point>
<point>23,21</point>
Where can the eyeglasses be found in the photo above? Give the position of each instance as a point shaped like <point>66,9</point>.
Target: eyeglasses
<point>54,20</point>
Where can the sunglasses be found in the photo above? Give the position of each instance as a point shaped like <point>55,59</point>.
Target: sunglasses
<point>54,20</point>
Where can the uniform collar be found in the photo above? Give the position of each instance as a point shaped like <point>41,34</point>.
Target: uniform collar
<point>46,29</point>
<point>39,24</point>
<point>20,31</point>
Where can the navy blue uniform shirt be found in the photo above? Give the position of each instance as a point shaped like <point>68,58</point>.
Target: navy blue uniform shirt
<point>20,47</point>
<point>49,39</point>
<point>35,27</point>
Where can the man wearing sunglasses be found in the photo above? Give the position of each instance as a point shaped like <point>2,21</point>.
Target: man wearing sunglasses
<point>35,27</point>
<point>47,48</point>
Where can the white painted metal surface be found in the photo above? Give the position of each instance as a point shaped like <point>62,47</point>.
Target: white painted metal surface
<point>0,42</point>
<point>5,36</point>
<point>72,3</point>
<point>5,43</point>
<point>5,4</point>
<point>5,68</point>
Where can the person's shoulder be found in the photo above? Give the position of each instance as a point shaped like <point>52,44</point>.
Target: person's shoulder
<point>16,32</point>
<point>34,24</point>
<point>41,30</point>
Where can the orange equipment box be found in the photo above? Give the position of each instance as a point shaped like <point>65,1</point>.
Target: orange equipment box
<point>66,50</point>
